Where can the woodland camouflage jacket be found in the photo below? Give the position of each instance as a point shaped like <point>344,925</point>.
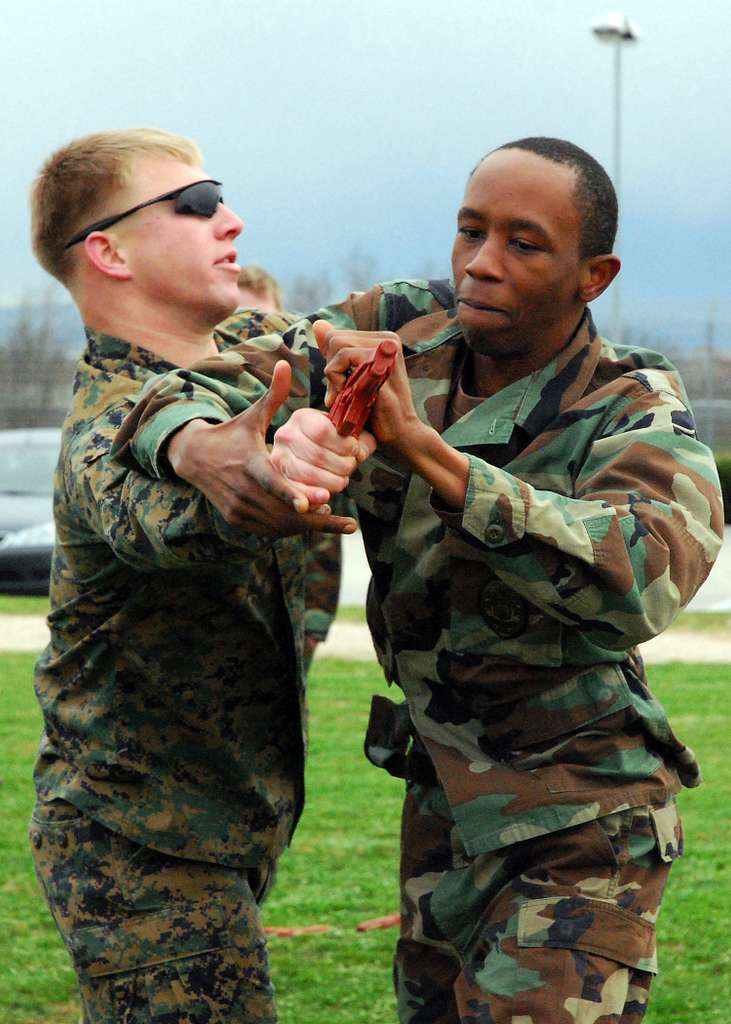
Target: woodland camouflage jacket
<point>593,514</point>
<point>171,689</point>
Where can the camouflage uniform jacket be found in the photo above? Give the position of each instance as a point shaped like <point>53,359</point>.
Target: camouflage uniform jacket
<point>171,688</point>
<point>592,516</point>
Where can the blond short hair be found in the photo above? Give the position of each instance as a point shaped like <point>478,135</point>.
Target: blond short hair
<point>262,284</point>
<point>76,181</point>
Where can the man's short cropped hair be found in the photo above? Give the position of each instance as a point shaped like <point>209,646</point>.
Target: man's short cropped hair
<point>594,195</point>
<point>74,185</point>
<point>262,284</point>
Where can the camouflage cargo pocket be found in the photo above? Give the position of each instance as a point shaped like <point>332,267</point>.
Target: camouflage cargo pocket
<point>587,925</point>
<point>182,965</point>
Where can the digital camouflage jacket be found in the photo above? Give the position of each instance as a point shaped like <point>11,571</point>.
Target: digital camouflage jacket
<point>171,689</point>
<point>593,514</point>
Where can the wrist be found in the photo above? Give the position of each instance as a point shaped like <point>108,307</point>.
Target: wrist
<point>183,448</point>
<point>412,435</point>
<point>444,468</point>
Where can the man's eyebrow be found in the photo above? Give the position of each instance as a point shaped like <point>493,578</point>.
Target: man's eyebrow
<point>468,211</point>
<point>528,225</point>
<point>519,224</point>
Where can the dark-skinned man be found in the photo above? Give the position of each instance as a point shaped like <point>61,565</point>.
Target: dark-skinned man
<point>538,506</point>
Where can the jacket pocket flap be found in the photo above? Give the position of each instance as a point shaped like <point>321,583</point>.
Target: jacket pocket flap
<point>581,923</point>
<point>150,939</point>
<point>388,735</point>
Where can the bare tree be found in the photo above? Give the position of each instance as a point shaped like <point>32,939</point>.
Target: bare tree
<point>360,270</point>
<point>35,373</point>
<point>308,292</point>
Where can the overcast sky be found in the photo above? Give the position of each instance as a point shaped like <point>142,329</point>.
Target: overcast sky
<point>338,126</point>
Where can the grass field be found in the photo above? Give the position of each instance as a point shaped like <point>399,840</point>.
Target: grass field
<point>342,867</point>
<point>11,604</point>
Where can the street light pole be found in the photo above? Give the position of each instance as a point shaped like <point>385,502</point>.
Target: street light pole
<point>617,30</point>
<point>617,125</point>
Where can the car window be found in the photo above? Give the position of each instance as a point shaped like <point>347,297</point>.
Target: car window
<point>27,469</point>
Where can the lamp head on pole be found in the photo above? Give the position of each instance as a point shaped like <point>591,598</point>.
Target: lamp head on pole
<point>615,28</point>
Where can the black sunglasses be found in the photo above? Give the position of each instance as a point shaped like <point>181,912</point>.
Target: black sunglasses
<point>200,198</point>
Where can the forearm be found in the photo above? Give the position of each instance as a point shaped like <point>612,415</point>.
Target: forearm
<point>184,450</point>
<point>575,558</point>
<point>222,386</point>
<point>444,468</point>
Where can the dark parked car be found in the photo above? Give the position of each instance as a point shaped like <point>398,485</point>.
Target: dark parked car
<point>27,460</point>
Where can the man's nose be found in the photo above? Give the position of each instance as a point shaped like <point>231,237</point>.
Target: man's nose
<point>228,224</point>
<point>487,261</point>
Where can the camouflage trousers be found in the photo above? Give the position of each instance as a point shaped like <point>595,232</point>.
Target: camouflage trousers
<point>154,939</point>
<point>554,930</point>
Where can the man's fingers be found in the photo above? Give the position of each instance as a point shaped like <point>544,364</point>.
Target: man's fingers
<point>307,476</point>
<point>367,444</point>
<point>327,523</point>
<point>338,367</point>
<point>299,496</point>
<point>344,360</point>
<point>287,524</point>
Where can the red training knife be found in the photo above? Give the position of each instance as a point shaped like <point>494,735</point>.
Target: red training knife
<point>353,405</point>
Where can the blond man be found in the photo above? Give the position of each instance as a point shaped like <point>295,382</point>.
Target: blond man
<point>169,776</point>
<point>258,289</point>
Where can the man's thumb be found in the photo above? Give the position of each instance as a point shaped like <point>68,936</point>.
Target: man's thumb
<point>322,331</point>
<point>278,391</point>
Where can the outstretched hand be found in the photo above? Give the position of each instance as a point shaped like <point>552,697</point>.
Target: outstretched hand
<point>231,465</point>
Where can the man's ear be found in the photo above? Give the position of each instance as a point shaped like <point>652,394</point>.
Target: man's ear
<point>105,252</point>
<point>597,273</point>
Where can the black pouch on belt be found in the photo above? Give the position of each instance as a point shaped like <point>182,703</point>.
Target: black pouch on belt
<point>391,744</point>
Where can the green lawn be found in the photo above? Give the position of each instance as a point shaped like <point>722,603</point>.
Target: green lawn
<point>12,605</point>
<point>342,868</point>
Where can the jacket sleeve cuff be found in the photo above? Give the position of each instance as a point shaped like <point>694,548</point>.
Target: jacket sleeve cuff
<point>149,445</point>
<point>494,512</point>
<point>317,622</point>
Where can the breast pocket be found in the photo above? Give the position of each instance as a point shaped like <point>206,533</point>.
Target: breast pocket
<point>488,617</point>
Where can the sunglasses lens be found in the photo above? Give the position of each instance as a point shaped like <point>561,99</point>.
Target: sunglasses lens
<point>200,199</point>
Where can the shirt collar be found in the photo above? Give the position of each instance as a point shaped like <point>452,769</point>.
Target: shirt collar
<point>117,356</point>
<point>536,400</point>
<point>559,384</point>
